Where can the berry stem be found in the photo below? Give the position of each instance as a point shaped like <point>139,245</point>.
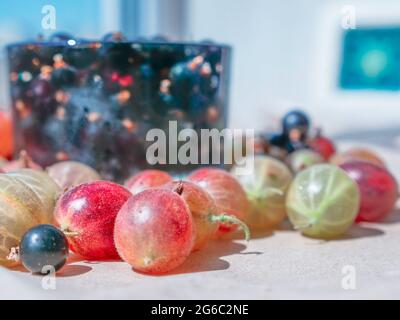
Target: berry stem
<point>262,193</point>
<point>221,218</point>
<point>179,188</point>
<point>70,234</point>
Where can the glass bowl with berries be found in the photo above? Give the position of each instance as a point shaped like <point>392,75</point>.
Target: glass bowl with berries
<point>95,101</point>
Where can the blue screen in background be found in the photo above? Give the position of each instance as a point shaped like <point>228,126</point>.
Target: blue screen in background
<point>371,59</point>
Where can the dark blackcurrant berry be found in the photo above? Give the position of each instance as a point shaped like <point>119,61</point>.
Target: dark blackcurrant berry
<point>117,56</point>
<point>42,246</point>
<point>63,77</point>
<point>146,71</point>
<point>295,119</point>
<point>79,58</point>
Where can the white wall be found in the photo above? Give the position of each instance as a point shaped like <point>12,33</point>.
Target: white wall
<point>284,56</point>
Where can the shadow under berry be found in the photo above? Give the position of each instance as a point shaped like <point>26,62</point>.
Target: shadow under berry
<point>209,258</point>
<point>393,218</point>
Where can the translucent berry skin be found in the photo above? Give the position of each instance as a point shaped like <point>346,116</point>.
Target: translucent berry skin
<point>266,189</point>
<point>302,159</point>
<point>323,146</point>
<point>378,190</point>
<point>41,246</point>
<point>43,186</point>
<point>147,179</point>
<point>202,207</point>
<point>69,174</point>
<point>229,196</point>
<point>154,231</point>
<point>88,213</point>
<point>322,201</point>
